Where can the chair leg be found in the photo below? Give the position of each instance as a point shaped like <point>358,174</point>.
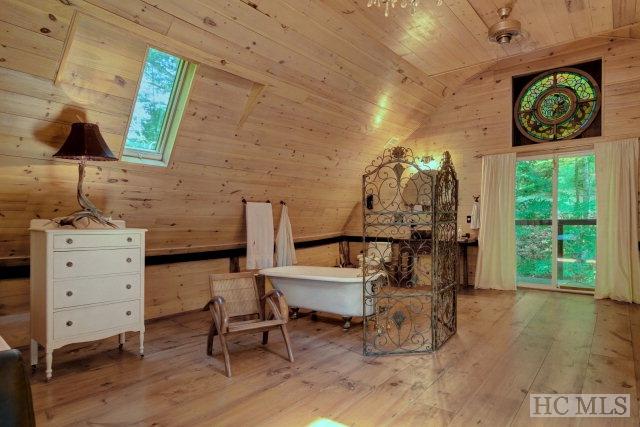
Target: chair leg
<point>287,341</point>
<point>212,333</point>
<point>225,352</point>
<point>265,337</point>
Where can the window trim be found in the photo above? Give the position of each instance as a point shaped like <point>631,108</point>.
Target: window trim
<point>178,100</point>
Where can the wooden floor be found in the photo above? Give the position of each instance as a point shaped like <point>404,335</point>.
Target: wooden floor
<point>508,345</point>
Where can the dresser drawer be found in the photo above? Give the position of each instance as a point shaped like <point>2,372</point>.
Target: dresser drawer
<point>84,320</point>
<point>92,290</point>
<point>87,240</point>
<point>93,263</point>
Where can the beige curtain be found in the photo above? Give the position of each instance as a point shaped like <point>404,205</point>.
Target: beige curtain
<point>496,267</point>
<point>617,261</point>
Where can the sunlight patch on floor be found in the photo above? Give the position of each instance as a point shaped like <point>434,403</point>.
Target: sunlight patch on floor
<point>325,422</point>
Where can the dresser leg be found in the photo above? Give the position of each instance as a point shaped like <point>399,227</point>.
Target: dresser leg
<point>49,359</point>
<point>121,340</point>
<point>34,354</point>
<point>141,344</point>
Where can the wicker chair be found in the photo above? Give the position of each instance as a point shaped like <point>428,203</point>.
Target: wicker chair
<point>237,307</point>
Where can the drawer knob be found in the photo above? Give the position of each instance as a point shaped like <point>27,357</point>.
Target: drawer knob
<point>128,259</point>
<point>128,313</point>
<point>69,323</point>
<point>69,264</point>
<point>69,293</point>
<point>129,239</point>
<point>128,286</point>
<point>69,241</point>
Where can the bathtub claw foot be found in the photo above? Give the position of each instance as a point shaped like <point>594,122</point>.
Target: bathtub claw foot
<point>294,312</point>
<point>347,323</point>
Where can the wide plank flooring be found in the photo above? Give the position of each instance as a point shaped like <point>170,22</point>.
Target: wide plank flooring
<point>508,346</point>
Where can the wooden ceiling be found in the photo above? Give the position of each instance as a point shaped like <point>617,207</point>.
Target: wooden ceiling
<point>396,69</point>
<point>440,39</point>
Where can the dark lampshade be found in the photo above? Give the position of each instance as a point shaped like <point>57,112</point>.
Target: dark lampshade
<point>85,143</point>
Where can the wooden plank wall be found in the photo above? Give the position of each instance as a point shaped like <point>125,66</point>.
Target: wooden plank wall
<point>213,165</point>
<point>476,119</point>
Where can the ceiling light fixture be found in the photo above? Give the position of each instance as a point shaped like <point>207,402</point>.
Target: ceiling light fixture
<point>388,4</point>
<point>506,29</point>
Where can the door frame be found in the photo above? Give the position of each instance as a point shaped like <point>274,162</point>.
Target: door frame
<point>555,286</point>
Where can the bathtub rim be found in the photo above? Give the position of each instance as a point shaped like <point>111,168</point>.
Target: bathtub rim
<point>278,272</point>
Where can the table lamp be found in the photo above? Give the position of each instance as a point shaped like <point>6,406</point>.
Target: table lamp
<point>85,143</point>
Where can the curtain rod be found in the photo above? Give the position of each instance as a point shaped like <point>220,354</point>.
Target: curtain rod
<point>282,202</point>
<point>244,201</point>
<point>538,150</point>
<point>568,146</point>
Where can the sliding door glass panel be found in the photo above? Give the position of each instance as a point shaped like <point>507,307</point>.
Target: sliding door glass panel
<point>534,220</point>
<point>576,224</point>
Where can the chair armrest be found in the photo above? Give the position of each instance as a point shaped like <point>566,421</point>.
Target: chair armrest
<point>218,310</point>
<point>278,304</point>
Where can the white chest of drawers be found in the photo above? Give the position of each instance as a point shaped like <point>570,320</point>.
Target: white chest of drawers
<point>86,284</point>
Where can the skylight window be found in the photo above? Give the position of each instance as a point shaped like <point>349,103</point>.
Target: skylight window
<point>160,102</point>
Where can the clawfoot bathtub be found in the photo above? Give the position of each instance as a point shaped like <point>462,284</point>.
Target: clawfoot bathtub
<point>328,289</point>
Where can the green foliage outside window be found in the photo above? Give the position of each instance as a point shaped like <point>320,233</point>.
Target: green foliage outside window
<point>577,201</point>
<point>576,213</point>
<point>159,105</point>
<point>534,201</point>
<point>152,102</point>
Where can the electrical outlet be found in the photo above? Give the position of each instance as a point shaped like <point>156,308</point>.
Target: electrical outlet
<point>468,219</point>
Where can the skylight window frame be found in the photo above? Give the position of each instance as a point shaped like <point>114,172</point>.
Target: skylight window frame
<point>176,106</point>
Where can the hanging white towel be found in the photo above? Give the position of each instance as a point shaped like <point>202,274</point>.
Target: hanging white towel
<point>285,250</point>
<point>259,235</point>
<point>475,216</point>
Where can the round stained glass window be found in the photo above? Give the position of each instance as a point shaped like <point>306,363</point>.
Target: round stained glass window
<point>556,105</point>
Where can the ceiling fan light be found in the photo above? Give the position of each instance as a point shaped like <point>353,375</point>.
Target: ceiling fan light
<point>505,29</point>
<point>504,39</point>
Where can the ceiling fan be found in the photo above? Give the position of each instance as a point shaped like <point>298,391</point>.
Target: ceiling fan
<point>509,30</point>
<point>506,29</point>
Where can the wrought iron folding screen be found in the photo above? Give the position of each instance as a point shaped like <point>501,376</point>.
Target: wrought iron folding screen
<point>409,253</point>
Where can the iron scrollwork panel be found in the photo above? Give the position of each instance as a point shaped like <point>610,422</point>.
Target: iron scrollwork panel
<point>446,248</point>
<point>400,261</point>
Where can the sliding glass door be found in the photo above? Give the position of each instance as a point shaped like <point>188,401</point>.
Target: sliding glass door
<point>534,221</point>
<point>576,224</point>
<point>556,221</point>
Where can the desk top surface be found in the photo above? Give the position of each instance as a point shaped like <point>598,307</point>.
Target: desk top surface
<point>468,242</point>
